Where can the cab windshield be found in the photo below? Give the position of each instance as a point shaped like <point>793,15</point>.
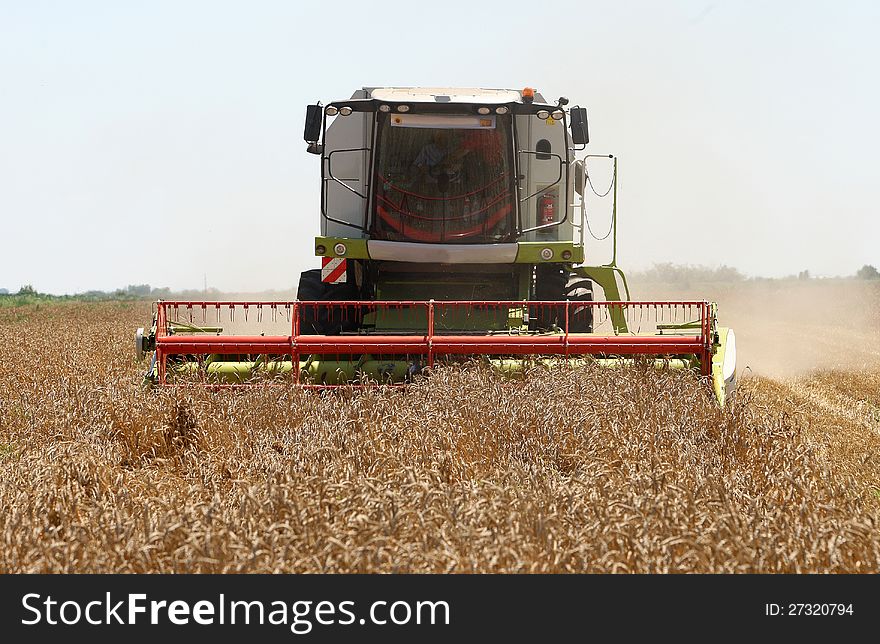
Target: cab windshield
<point>443,178</point>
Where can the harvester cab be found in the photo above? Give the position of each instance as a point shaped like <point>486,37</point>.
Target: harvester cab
<point>452,225</point>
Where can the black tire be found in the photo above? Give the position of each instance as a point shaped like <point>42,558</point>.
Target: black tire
<point>326,320</point>
<point>311,288</point>
<point>550,280</point>
<point>555,283</point>
<point>312,321</point>
<point>580,318</point>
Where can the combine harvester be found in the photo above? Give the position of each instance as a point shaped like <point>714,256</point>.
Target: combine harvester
<point>452,227</point>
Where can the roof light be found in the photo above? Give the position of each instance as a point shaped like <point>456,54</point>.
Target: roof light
<point>331,110</point>
<point>542,114</point>
<point>384,108</point>
<point>483,110</point>
<point>528,94</point>
<point>502,110</point>
<point>557,114</point>
<point>403,108</point>
<point>345,110</point>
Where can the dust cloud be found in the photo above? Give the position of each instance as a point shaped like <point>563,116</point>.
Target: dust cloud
<point>787,328</point>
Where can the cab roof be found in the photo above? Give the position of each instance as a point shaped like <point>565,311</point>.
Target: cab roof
<point>447,95</point>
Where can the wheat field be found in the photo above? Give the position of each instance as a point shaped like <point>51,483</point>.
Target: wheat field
<point>565,470</point>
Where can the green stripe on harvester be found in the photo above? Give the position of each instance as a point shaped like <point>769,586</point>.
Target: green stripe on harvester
<point>530,252</point>
<point>354,248</point>
<point>527,252</point>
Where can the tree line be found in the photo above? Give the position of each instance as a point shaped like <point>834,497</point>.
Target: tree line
<point>671,273</point>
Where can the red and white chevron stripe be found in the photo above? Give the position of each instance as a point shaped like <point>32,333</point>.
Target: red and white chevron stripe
<point>333,270</point>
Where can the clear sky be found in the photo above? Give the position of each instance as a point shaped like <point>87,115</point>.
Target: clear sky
<point>156,142</point>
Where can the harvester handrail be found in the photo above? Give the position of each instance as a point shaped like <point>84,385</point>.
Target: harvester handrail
<point>545,189</point>
<point>330,174</point>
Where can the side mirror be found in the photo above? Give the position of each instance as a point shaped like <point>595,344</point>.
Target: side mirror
<point>580,133</point>
<point>314,119</point>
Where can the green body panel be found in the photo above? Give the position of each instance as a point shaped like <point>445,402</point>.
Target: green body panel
<point>527,252</point>
<point>606,277</point>
<point>530,252</point>
<point>355,248</point>
<point>448,319</point>
<point>459,282</point>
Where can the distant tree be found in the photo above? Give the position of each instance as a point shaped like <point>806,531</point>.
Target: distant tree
<point>804,275</point>
<point>27,289</point>
<point>671,273</point>
<point>138,290</point>
<point>868,272</point>
<point>4,291</point>
<point>726,273</point>
<point>94,295</point>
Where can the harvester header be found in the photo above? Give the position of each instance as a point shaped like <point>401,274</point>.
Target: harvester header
<point>452,225</point>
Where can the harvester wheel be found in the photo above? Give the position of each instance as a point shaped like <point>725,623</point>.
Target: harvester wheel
<point>579,289</point>
<point>550,280</point>
<point>311,288</point>
<point>555,283</point>
<point>326,321</point>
